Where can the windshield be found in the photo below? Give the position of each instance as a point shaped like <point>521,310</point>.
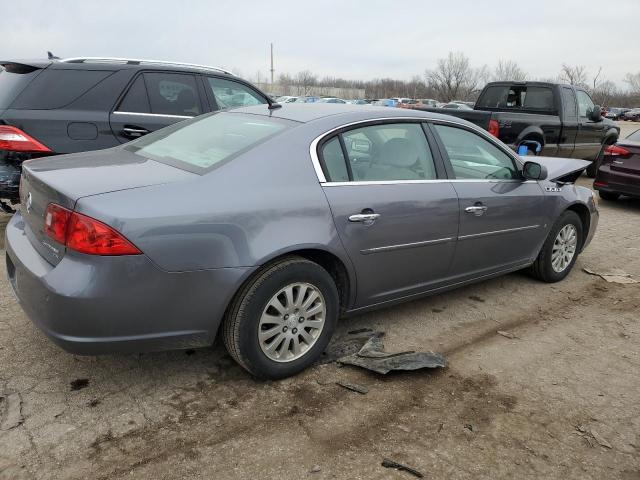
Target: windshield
<point>201,143</point>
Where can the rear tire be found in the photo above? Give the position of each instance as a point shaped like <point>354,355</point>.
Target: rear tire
<point>253,324</point>
<point>609,196</point>
<point>546,267</point>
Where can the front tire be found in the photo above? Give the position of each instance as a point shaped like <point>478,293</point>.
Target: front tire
<point>283,318</point>
<point>560,249</point>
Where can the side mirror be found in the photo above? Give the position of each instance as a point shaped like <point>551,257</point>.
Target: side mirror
<point>534,171</point>
<point>596,114</point>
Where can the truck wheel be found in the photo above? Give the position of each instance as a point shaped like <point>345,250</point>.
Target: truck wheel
<point>282,320</point>
<point>560,249</point>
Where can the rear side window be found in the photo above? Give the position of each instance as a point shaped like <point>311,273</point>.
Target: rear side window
<point>13,81</point>
<point>230,94</point>
<point>173,94</point>
<point>388,152</point>
<point>333,160</point>
<point>136,99</point>
<point>199,144</point>
<point>58,88</point>
<point>517,97</point>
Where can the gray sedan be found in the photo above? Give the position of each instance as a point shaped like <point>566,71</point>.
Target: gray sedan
<point>269,224</point>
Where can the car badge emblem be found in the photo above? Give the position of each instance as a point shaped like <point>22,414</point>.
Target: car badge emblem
<point>29,202</point>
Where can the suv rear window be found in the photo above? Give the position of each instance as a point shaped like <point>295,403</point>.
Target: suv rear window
<point>55,88</point>
<point>199,144</point>
<point>12,82</point>
<point>517,97</point>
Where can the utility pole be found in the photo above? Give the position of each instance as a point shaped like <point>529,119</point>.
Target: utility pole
<point>272,64</point>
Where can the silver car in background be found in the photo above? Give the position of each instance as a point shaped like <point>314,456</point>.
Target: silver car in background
<point>268,224</point>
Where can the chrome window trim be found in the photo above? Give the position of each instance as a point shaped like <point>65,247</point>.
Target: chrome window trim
<point>409,182</point>
<point>497,232</point>
<point>315,160</point>
<point>118,112</point>
<point>400,246</point>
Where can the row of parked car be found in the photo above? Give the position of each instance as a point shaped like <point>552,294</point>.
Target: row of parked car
<point>400,102</point>
<point>626,114</point>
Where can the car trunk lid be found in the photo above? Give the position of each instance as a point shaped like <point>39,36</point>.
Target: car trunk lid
<point>629,164</point>
<point>65,179</point>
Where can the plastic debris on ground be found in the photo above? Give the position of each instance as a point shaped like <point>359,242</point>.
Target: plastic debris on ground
<point>615,275</point>
<point>373,357</point>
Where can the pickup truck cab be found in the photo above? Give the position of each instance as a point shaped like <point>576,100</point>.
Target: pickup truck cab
<point>561,118</point>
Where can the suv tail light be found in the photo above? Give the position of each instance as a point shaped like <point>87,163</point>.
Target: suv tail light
<point>85,234</point>
<point>14,139</point>
<point>616,151</point>
<point>494,128</point>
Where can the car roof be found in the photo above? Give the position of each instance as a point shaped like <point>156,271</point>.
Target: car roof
<point>115,64</point>
<point>309,112</point>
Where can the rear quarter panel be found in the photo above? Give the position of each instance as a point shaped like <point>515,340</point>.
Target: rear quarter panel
<point>257,206</point>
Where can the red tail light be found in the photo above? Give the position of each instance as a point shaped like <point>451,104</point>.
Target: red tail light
<point>14,139</point>
<point>85,234</point>
<point>494,128</point>
<point>616,151</point>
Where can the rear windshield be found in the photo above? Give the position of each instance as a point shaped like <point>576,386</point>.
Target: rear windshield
<point>517,97</point>
<point>635,136</point>
<point>12,82</point>
<point>202,143</point>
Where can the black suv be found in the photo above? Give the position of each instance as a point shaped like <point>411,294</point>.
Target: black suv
<point>51,107</point>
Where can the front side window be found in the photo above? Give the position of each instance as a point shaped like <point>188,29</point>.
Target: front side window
<point>386,152</point>
<point>202,143</point>
<point>230,94</point>
<point>474,157</point>
<point>172,94</point>
<point>585,104</point>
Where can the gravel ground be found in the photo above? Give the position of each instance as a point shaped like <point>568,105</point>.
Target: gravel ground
<point>559,400</point>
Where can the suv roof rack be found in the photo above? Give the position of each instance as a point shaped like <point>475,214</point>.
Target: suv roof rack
<point>134,61</point>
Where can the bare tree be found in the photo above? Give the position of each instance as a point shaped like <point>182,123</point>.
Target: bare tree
<point>633,80</point>
<point>305,80</point>
<point>454,78</point>
<point>604,92</point>
<point>574,74</point>
<point>508,70</point>
<point>596,77</point>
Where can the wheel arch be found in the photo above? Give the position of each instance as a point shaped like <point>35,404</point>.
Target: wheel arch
<point>532,133</point>
<point>585,218</point>
<point>339,268</point>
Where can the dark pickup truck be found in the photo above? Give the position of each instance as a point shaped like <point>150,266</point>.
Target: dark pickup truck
<point>561,118</point>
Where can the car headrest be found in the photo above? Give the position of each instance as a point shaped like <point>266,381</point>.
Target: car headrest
<point>186,99</point>
<point>398,152</point>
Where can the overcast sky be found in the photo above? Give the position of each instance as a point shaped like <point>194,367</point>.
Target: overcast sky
<point>351,39</point>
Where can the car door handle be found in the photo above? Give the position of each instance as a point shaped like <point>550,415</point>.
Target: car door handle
<point>134,132</point>
<point>477,210</point>
<point>364,217</point>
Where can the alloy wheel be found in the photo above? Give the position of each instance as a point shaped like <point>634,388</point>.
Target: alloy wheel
<point>292,322</point>
<point>564,248</point>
